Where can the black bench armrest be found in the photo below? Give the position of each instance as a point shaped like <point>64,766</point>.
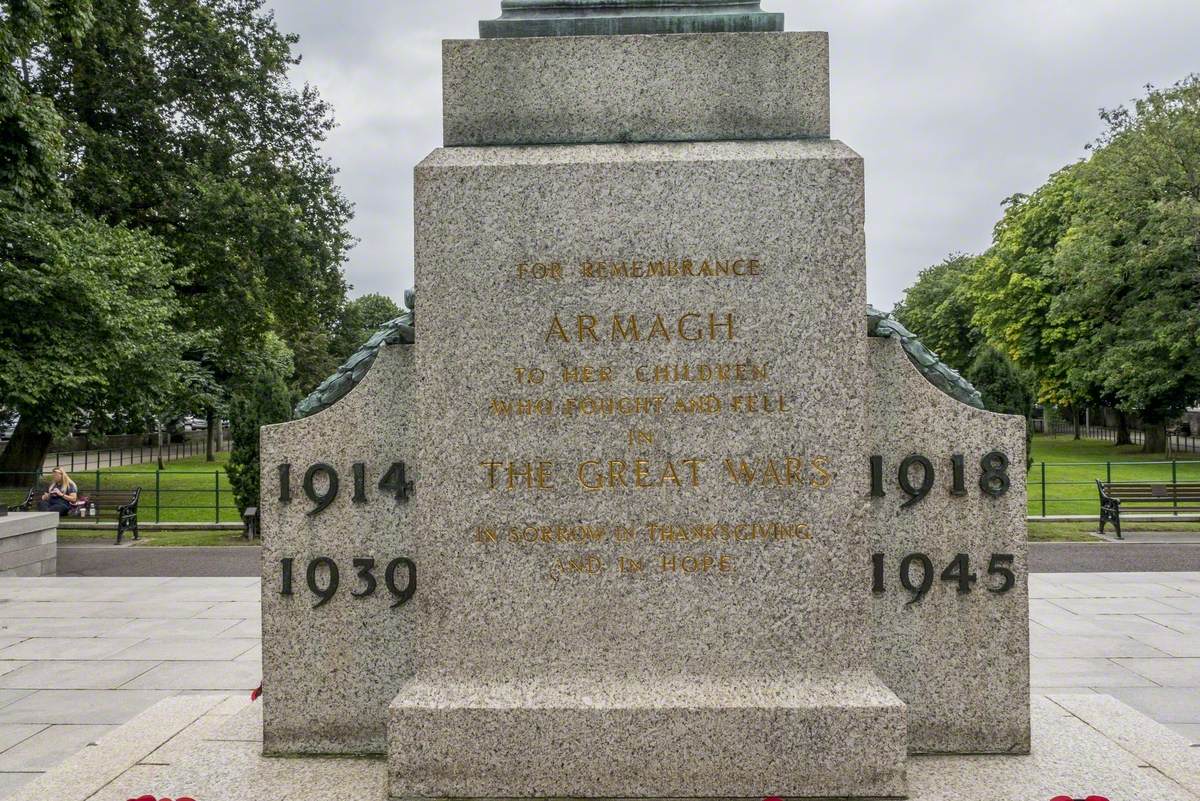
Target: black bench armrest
<point>30,498</point>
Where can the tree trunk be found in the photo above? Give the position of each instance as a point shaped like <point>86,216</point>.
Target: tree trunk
<point>1156,438</point>
<point>1075,421</point>
<point>1123,437</point>
<point>209,453</point>
<point>21,461</point>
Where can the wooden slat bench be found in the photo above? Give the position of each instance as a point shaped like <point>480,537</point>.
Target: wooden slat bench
<point>1145,496</point>
<point>113,504</point>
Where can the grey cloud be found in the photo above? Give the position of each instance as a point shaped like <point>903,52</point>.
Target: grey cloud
<point>954,105</point>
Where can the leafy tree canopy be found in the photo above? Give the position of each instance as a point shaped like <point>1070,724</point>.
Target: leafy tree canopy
<point>939,310</point>
<point>181,121</point>
<point>1017,284</point>
<point>88,324</point>
<point>360,319</point>
<point>1133,258</point>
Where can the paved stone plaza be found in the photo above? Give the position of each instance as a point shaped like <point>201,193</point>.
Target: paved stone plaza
<point>81,656</point>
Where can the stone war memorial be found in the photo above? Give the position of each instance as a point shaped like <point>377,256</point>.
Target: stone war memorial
<point>635,507</point>
<point>640,499</point>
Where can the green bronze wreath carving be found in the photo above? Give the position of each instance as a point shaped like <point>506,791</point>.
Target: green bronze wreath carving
<point>936,371</point>
<point>394,332</point>
<point>402,331</point>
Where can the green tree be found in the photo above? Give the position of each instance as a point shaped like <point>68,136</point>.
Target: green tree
<point>261,398</point>
<point>86,320</point>
<point>1004,388</point>
<point>88,324</point>
<point>182,122</point>
<point>1133,260</point>
<point>1017,287</point>
<point>360,319</point>
<point>939,310</point>
<point>32,148</point>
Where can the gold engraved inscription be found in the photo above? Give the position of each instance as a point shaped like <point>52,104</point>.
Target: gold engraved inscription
<point>599,475</point>
<point>587,329</point>
<point>671,268</point>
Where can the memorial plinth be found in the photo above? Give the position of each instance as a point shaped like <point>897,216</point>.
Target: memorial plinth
<point>618,554</point>
<point>649,509</point>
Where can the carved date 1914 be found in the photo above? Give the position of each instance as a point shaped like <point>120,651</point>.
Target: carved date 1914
<point>395,481</point>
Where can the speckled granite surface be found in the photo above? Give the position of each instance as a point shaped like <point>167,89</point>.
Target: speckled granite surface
<point>780,605</point>
<point>959,659</point>
<point>687,87</point>
<point>329,671</point>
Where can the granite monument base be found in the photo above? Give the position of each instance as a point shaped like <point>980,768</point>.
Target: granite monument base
<point>836,736</point>
<point>703,634</point>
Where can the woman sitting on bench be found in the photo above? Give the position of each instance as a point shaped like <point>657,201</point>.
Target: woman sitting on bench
<point>61,493</point>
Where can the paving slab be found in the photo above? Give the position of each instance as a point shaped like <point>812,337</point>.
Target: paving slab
<point>1116,606</point>
<point>200,676</point>
<point>245,628</point>
<point>119,609</point>
<point>11,782</point>
<point>235,609</point>
<point>1188,731</point>
<point>161,628</point>
<point>1093,672</point>
<point>1165,672</point>
<point>73,675</point>
<point>1163,704</point>
<point>67,648</point>
<point>13,733</point>
<point>1186,624</point>
<point>1190,605</point>
<point>1140,736</point>
<point>93,768</point>
<point>1105,625</point>
<point>49,747</point>
<point>61,627</point>
<point>1087,645</point>
<point>192,649</point>
<point>1170,643</point>
<point>78,706</point>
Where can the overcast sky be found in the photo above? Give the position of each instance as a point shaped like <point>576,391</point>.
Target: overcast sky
<point>954,104</point>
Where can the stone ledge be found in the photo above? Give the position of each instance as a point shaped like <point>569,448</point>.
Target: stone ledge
<point>15,524</point>
<point>1072,753</point>
<point>819,736</point>
<point>598,89</point>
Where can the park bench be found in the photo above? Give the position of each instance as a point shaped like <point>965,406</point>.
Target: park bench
<point>1145,496</point>
<point>113,504</point>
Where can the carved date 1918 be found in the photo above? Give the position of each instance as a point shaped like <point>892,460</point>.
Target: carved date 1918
<point>993,477</point>
<point>324,590</point>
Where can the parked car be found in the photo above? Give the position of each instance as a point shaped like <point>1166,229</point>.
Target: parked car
<point>194,423</point>
<point>8,425</point>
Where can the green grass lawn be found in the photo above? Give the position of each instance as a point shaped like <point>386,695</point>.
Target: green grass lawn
<point>188,491</point>
<point>1072,468</point>
<point>156,538</point>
